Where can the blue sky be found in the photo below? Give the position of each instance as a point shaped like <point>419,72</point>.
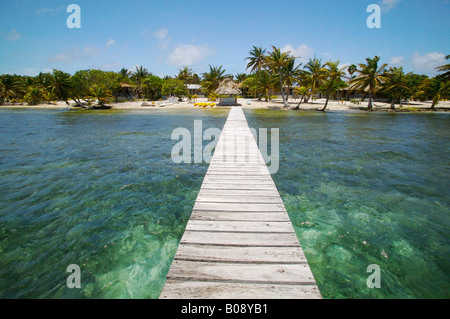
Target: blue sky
<point>163,36</point>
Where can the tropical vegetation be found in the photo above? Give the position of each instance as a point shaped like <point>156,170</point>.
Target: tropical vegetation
<point>270,74</point>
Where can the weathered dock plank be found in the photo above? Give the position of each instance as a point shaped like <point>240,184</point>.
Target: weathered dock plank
<point>239,241</point>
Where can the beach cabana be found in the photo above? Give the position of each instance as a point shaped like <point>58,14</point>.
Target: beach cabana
<point>228,91</point>
<point>193,88</point>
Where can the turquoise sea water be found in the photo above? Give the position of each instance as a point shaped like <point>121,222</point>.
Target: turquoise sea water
<point>368,188</point>
<point>99,189</point>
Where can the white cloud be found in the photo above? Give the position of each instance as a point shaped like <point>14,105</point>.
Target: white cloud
<point>303,52</point>
<point>49,10</point>
<point>110,42</point>
<point>90,50</point>
<point>69,56</point>
<point>162,44</point>
<point>163,39</point>
<point>108,66</point>
<point>61,58</point>
<point>43,10</point>
<point>387,5</point>
<point>188,54</point>
<point>12,36</point>
<point>396,61</point>
<point>161,33</point>
<point>428,62</point>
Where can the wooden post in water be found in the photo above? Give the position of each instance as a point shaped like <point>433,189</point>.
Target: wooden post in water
<point>239,241</point>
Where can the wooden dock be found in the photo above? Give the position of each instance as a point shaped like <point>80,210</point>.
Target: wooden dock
<point>239,241</point>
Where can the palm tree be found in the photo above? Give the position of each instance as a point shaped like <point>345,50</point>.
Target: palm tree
<point>369,78</point>
<point>334,75</point>
<point>256,59</point>
<point>212,79</point>
<point>446,69</point>
<point>8,87</point>
<point>185,74</point>
<point>264,82</point>
<point>101,93</point>
<point>140,74</point>
<point>125,73</point>
<point>435,89</point>
<point>291,75</point>
<point>351,70</point>
<point>315,72</point>
<point>60,85</point>
<point>33,95</point>
<point>302,91</point>
<point>240,77</point>
<point>22,84</point>
<point>42,80</point>
<point>276,61</point>
<point>396,82</point>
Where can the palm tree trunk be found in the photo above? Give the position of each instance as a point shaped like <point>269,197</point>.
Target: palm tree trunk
<point>326,102</point>
<point>282,89</point>
<point>392,103</point>
<point>433,104</point>
<point>298,105</point>
<point>369,106</point>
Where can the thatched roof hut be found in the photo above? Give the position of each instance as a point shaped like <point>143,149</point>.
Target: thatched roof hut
<point>228,87</point>
<point>228,91</point>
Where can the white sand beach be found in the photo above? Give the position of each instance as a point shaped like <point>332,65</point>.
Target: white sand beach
<point>255,104</point>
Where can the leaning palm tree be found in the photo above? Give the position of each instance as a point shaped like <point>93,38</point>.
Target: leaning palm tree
<point>212,79</point>
<point>314,73</point>
<point>396,82</point>
<point>100,93</point>
<point>369,78</point>
<point>435,89</point>
<point>334,75</point>
<point>276,61</point>
<point>301,91</point>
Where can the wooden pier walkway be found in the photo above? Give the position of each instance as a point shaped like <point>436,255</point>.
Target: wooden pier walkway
<point>239,241</point>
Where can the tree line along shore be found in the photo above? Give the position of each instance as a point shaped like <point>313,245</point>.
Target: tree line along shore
<point>268,75</point>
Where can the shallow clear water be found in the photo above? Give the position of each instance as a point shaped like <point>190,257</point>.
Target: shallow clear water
<point>99,189</point>
<point>367,189</point>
